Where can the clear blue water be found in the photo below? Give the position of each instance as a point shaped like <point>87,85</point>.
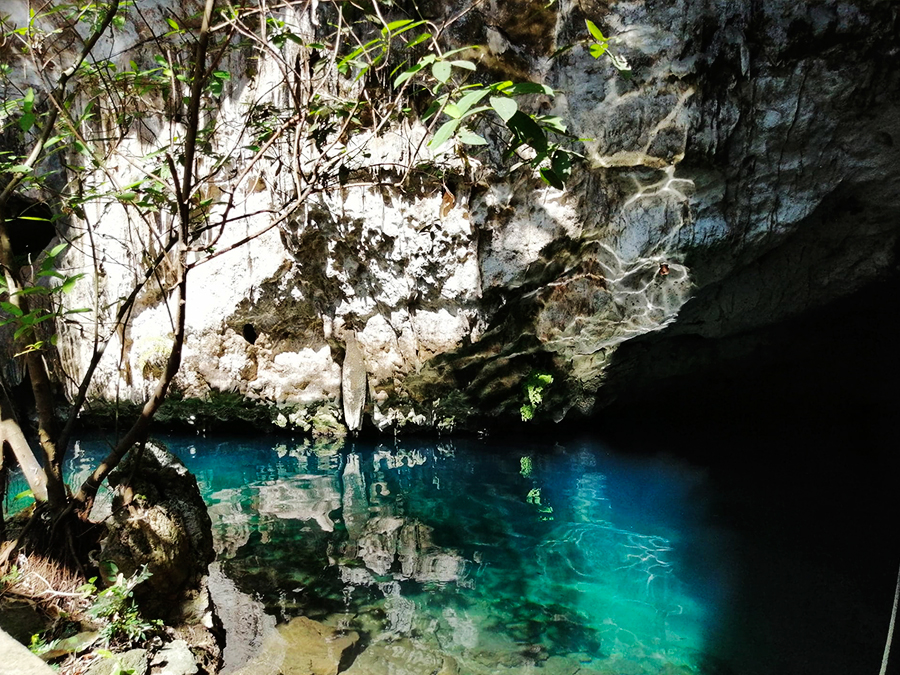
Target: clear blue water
<point>512,557</point>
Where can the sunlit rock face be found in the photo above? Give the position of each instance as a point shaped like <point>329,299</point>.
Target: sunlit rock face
<point>747,163</point>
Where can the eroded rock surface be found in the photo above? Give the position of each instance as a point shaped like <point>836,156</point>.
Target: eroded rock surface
<point>160,520</point>
<point>749,163</point>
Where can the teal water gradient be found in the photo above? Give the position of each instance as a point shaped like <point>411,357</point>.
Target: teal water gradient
<point>506,557</point>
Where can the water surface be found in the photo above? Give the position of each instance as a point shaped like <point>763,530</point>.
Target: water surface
<point>516,557</point>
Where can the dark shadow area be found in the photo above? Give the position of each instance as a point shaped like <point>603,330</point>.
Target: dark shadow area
<point>30,225</point>
<point>796,425</point>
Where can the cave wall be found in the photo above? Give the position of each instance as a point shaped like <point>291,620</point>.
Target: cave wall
<point>744,174</point>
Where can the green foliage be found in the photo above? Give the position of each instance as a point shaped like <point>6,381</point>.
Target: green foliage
<point>11,577</point>
<point>115,608</point>
<point>538,141</point>
<point>533,387</point>
<point>117,667</point>
<point>25,322</point>
<point>526,466</point>
<point>39,644</point>
<point>600,47</point>
<point>534,498</point>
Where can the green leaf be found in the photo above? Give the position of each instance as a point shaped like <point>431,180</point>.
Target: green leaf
<point>527,131</point>
<point>419,40</point>
<point>466,65</point>
<point>527,88</point>
<point>80,310</point>
<point>173,24</point>
<point>470,99</point>
<point>28,100</point>
<point>31,290</point>
<point>470,138</point>
<point>19,168</point>
<point>592,27</point>
<point>505,107</point>
<point>26,121</point>
<point>554,123</point>
<point>56,250</point>
<point>458,50</point>
<point>562,165</point>
<point>432,109</point>
<point>69,284</point>
<point>443,134</point>
<point>597,50</point>
<point>19,332</point>
<point>11,308</point>
<point>395,25</point>
<point>406,74</point>
<point>452,110</point>
<point>549,175</point>
<point>441,71</point>
<point>24,494</point>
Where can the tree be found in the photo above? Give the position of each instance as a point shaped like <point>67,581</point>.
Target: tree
<point>354,69</point>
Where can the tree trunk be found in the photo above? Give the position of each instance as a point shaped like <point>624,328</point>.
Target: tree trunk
<point>40,381</point>
<point>11,435</point>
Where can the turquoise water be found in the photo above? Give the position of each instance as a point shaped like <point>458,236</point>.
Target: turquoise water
<point>502,556</point>
<point>516,558</point>
<point>508,557</point>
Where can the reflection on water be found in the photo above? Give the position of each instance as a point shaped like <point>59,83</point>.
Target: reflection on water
<point>504,560</point>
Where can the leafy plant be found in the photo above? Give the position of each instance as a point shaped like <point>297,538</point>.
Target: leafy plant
<point>533,388</point>
<point>11,577</point>
<point>539,141</point>
<point>534,498</point>
<point>26,321</point>
<point>39,644</point>
<point>115,607</point>
<point>600,47</point>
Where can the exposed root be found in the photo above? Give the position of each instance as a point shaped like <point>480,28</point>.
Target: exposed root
<point>49,586</point>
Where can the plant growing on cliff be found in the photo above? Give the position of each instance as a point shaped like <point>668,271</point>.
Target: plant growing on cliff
<point>533,387</point>
<point>142,135</point>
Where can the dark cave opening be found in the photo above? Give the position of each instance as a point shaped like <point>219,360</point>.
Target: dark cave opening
<point>29,224</point>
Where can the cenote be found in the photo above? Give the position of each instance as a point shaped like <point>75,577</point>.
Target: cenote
<point>520,556</point>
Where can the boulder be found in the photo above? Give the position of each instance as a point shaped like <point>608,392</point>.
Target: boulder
<point>160,520</point>
<point>174,659</point>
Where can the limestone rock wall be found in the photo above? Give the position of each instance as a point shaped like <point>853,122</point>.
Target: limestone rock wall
<point>748,163</point>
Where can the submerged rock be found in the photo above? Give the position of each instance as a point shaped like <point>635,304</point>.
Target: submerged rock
<point>134,661</point>
<point>403,657</point>
<point>312,648</point>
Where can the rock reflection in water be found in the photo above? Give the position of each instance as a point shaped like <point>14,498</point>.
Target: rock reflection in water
<point>474,562</point>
